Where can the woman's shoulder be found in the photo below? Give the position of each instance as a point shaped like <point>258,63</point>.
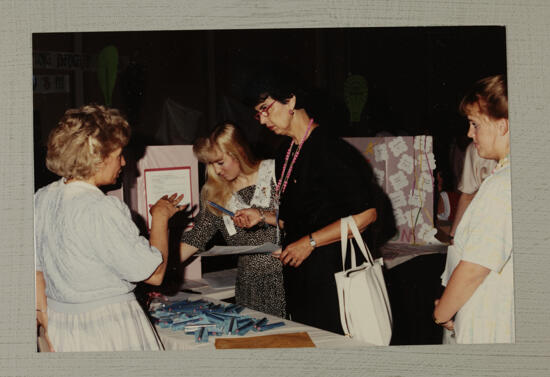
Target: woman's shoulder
<point>267,165</point>
<point>495,191</point>
<point>500,179</point>
<point>104,205</point>
<point>45,190</point>
<point>323,137</point>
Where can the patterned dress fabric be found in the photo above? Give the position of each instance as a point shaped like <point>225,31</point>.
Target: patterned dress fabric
<point>259,283</point>
<point>484,237</point>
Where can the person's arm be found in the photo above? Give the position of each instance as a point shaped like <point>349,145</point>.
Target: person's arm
<point>440,206</point>
<point>41,301</point>
<point>464,281</point>
<point>249,217</point>
<point>295,253</point>
<point>186,251</point>
<point>206,224</point>
<point>463,203</point>
<point>42,306</point>
<point>161,212</point>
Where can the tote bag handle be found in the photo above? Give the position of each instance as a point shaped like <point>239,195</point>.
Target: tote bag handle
<point>349,223</point>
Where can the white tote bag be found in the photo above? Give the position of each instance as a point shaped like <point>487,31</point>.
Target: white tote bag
<point>364,306</point>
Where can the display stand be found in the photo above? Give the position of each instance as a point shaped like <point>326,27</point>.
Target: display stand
<point>164,169</point>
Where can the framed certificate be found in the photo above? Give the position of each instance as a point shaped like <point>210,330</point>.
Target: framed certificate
<point>166,181</point>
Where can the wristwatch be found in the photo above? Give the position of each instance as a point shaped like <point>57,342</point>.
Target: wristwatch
<point>312,242</point>
<point>262,215</point>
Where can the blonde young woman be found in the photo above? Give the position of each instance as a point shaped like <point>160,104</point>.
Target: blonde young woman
<point>89,254</point>
<point>479,291</point>
<point>235,179</point>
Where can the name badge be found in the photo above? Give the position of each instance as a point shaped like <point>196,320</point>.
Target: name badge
<point>229,225</point>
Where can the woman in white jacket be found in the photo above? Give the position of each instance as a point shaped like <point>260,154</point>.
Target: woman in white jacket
<point>479,291</point>
<point>89,253</point>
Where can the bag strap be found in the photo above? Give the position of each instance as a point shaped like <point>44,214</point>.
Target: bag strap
<point>344,226</point>
<point>343,239</point>
<point>359,239</point>
<point>344,243</point>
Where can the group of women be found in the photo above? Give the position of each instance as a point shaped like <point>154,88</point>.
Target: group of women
<point>89,254</point>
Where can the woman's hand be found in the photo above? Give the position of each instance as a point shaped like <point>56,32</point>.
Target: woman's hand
<point>449,325</point>
<point>276,253</point>
<point>41,306</point>
<point>247,218</point>
<point>167,206</point>
<point>295,253</point>
<point>42,321</point>
<point>161,212</point>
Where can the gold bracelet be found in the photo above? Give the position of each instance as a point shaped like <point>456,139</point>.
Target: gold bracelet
<point>41,311</point>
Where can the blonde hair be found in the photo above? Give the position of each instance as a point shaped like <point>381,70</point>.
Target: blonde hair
<point>491,95</point>
<point>228,139</point>
<point>83,138</point>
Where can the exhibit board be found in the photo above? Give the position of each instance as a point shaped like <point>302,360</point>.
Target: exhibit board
<point>403,166</point>
<point>165,169</point>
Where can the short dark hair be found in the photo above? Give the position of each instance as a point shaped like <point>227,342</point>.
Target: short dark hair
<point>281,84</point>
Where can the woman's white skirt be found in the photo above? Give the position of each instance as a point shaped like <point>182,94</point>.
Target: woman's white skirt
<point>119,326</point>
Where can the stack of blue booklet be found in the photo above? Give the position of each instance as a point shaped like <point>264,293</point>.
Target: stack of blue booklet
<point>202,319</point>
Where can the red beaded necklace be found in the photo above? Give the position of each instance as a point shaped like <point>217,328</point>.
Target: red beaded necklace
<point>279,190</point>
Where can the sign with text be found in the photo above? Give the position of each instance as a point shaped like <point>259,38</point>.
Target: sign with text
<point>62,60</point>
<point>50,84</point>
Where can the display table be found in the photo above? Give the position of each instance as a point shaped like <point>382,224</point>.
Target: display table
<point>218,285</point>
<point>395,254</point>
<point>412,276</point>
<point>179,341</point>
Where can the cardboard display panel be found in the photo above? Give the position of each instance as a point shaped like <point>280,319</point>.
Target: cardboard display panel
<point>404,166</point>
<point>170,168</point>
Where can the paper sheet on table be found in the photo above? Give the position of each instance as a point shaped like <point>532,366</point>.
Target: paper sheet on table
<point>267,247</point>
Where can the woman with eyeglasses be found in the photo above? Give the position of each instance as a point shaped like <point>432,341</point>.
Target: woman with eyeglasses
<point>478,301</point>
<point>235,179</point>
<point>320,179</point>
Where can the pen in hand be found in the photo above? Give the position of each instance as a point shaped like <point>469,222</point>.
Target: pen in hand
<point>224,210</point>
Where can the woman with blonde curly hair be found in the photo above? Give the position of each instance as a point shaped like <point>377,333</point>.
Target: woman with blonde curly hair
<point>235,179</point>
<point>89,253</point>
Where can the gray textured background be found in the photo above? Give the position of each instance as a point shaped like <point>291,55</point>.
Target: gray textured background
<point>528,64</point>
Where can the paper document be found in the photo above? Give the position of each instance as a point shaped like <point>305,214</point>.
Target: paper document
<point>166,181</point>
<point>221,279</point>
<point>267,247</point>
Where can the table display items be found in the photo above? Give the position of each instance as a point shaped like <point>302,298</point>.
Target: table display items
<point>201,319</point>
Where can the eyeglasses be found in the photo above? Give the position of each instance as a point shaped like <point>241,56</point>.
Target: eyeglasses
<point>263,112</point>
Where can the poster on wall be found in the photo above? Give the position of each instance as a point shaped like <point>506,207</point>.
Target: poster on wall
<point>403,166</point>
